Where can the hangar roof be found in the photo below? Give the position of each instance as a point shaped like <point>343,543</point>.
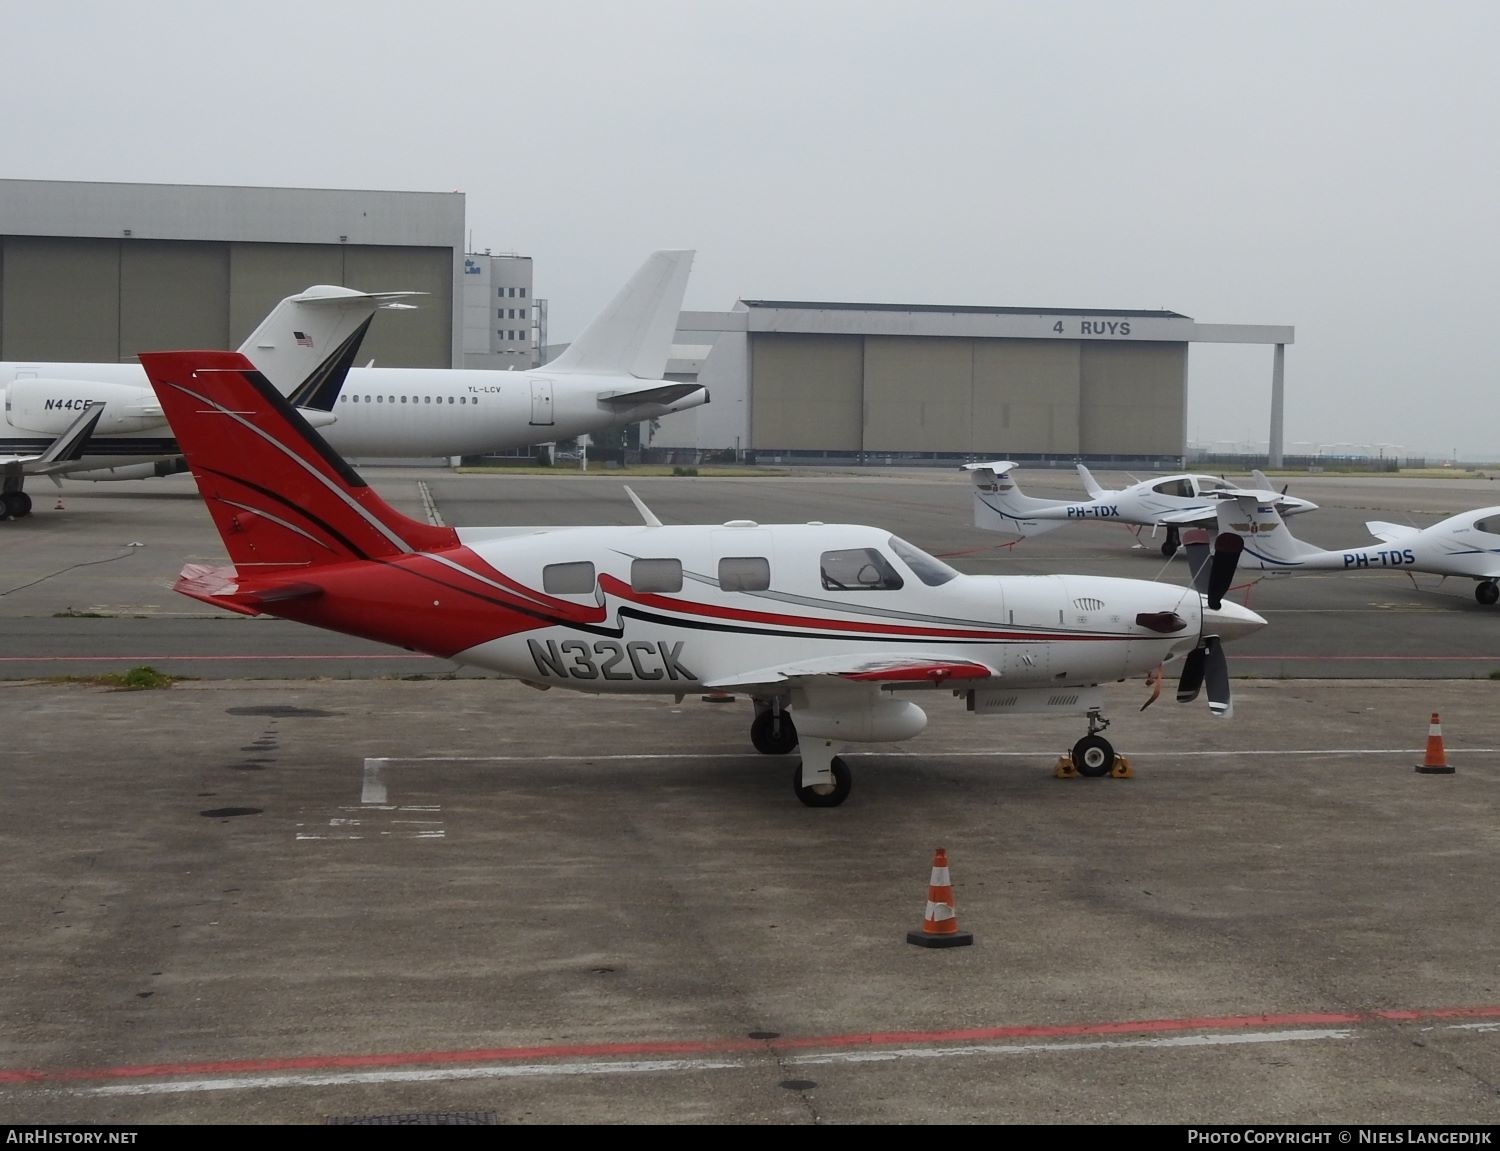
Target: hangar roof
<point>970,309</point>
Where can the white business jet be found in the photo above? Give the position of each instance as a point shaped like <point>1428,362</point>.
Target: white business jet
<point>1466,545</point>
<point>830,629</point>
<point>102,421</point>
<point>610,375</point>
<point>1001,506</point>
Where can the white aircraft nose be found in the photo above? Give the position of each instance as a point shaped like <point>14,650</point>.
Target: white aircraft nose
<point>1230,621</point>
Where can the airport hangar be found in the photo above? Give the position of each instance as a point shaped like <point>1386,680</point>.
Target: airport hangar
<point>98,271</point>
<point>808,381</point>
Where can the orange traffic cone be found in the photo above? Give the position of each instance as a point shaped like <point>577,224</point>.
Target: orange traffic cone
<point>59,506</point>
<point>940,923</point>
<point>1435,762</point>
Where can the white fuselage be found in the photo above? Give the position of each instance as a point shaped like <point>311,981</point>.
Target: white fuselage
<point>381,412</point>
<point>1034,631</point>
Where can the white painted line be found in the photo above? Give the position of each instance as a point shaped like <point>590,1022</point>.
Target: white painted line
<point>931,753</point>
<point>374,784</point>
<point>658,1066</point>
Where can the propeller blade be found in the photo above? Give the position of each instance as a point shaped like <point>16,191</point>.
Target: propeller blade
<point>1227,551</point>
<point>1195,544</point>
<point>1219,703</point>
<point>1192,675</point>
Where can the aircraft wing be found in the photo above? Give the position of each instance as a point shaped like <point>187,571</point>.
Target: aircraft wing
<point>1209,515</point>
<point>867,667</point>
<point>64,450</point>
<point>662,394</point>
<point>1389,532</point>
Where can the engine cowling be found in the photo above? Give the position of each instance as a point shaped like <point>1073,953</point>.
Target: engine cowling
<point>47,407</point>
<point>174,466</point>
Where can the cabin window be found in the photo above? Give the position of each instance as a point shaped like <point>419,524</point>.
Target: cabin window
<point>380,399</point>
<point>656,575</point>
<point>858,569</point>
<point>929,569</point>
<point>403,399</point>
<point>568,579</point>
<point>1174,487</point>
<point>427,399</point>
<point>1490,525</point>
<point>744,573</point>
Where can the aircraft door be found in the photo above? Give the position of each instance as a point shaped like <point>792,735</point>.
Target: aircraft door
<point>541,403</point>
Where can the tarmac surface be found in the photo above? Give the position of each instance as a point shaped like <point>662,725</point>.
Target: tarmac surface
<point>302,886</point>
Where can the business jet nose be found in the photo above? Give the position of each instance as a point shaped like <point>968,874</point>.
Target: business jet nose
<point>1230,621</point>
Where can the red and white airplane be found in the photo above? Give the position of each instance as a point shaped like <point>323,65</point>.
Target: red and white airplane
<point>831,629</point>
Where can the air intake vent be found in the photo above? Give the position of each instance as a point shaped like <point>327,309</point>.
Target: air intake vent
<point>1088,603</point>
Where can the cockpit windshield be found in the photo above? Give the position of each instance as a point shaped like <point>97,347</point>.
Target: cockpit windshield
<point>930,570</point>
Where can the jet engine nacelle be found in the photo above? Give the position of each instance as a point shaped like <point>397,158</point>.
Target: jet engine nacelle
<point>172,467</point>
<point>49,406</point>
<point>863,721</point>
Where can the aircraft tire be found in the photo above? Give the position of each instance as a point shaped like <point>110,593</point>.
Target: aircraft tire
<point>771,738</point>
<point>14,505</point>
<point>1487,591</point>
<point>843,783</point>
<point>1093,756</point>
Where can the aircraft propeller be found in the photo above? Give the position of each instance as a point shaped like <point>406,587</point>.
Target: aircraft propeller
<point>1212,572</point>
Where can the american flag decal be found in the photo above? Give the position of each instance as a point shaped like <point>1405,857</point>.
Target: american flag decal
<point>303,339</point>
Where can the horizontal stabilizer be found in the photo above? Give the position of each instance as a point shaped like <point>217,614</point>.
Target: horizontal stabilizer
<point>220,586</point>
<point>663,395</point>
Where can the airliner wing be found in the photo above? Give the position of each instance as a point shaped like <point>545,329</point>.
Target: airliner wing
<point>877,667</point>
<point>1389,532</point>
<point>64,450</point>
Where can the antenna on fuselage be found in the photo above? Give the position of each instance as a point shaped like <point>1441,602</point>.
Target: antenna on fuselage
<point>646,513</point>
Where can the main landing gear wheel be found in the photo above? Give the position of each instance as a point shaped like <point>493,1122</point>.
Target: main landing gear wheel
<point>1170,545</point>
<point>1093,755</point>
<point>772,733</point>
<point>825,795</point>
<point>1487,591</point>
<point>14,505</point>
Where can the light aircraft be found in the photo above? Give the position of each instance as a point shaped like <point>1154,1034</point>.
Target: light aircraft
<point>1466,545</point>
<point>1001,506</point>
<point>610,375</point>
<point>828,628</point>
<point>102,421</point>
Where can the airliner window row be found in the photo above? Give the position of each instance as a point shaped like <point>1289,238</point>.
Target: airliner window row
<point>405,399</point>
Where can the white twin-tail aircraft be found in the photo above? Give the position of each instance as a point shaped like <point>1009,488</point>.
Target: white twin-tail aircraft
<point>1466,545</point>
<point>1001,506</point>
<point>610,375</point>
<point>103,422</point>
<point>830,629</point>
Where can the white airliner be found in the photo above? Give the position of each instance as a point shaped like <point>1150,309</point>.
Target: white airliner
<point>1466,545</point>
<point>103,422</point>
<point>611,374</point>
<point>830,629</point>
<point>1001,506</point>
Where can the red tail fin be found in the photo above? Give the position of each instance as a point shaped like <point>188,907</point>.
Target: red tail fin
<point>279,495</point>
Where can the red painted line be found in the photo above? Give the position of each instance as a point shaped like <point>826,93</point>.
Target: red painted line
<point>728,1046</point>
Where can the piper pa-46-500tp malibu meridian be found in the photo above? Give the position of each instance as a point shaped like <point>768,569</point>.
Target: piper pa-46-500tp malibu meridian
<point>610,375</point>
<point>1000,505</point>
<point>826,627</point>
<point>102,421</point>
<point>1466,545</point>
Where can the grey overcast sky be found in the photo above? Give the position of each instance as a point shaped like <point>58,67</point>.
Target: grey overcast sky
<point>1330,165</point>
